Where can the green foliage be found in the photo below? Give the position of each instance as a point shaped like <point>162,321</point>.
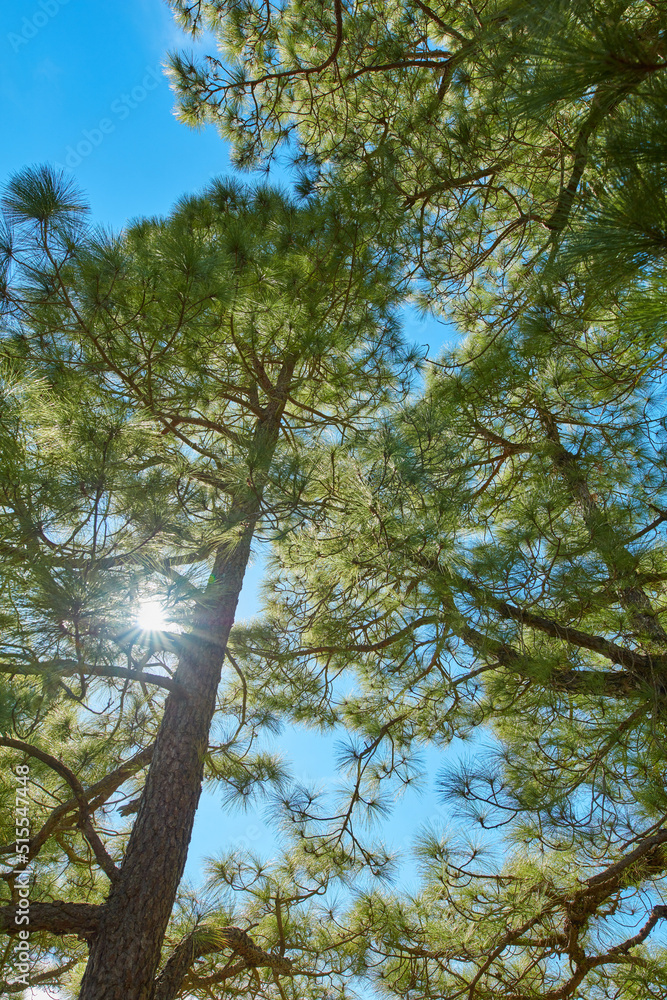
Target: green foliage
<point>495,555</point>
<point>494,128</point>
<point>484,561</point>
<point>138,368</point>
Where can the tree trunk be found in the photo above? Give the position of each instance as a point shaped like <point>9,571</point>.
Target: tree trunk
<point>125,954</point>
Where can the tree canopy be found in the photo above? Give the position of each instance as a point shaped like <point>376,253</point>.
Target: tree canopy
<point>163,391</point>
<point>483,557</point>
<point>485,131</point>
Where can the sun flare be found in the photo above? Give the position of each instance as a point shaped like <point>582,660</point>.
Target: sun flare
<point>151,616</point>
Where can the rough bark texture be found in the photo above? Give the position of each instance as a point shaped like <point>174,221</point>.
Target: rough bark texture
<point>58,917</point>
<point>125,954</point>
<point>126,951</point>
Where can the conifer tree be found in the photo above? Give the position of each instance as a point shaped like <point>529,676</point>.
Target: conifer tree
<point>162,390</point>
<point>499,562</point>
<point>477,130</point>
<point>491,560</point>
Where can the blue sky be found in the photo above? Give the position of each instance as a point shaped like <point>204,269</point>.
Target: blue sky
<point>82,86</point>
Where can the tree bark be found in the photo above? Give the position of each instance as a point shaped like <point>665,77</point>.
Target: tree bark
<point>58,917</point>
<point>125,954</point>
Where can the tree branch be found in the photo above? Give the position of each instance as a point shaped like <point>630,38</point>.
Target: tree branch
<point>69,668</point>
<point>657,913</point>
<point>637,662</point>
<point>96,795</point>
<point>104,860</point>
<point>300,71</point>
<point>206,941</point>
<point>58,917</point>
<point>47,977</point>
<point>612,873</point>
<point>601,105</point>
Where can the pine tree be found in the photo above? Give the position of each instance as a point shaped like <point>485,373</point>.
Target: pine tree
<point>479,131</point>
<point>490,560</point>
<point>163,389</point>
<point>500,559</point>
<point>500,564</point>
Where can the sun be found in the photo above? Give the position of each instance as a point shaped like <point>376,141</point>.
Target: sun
<point>151,617</point>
